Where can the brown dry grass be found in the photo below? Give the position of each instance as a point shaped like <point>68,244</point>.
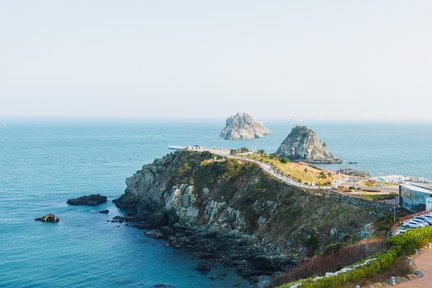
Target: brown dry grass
<point>401,268</point>
<point>299,171</point>
<point>332,261</point>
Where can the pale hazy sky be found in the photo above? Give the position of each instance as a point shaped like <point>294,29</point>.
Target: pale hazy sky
<point>315,60</point>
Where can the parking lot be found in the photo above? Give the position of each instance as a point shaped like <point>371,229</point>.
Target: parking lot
<point>414,223</point>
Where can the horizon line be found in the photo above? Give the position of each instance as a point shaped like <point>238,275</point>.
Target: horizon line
<point>4,119</point>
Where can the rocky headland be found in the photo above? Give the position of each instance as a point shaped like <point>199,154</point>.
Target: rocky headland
<point>243,126</point>
<point>232,213</point>
<point>302,144</point>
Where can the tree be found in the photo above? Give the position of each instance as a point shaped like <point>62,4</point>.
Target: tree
<point>284,160</point>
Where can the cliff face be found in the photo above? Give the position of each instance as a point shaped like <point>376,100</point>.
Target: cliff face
<point>191,189</point>
<point>302,144</point>
<point>243,126</point>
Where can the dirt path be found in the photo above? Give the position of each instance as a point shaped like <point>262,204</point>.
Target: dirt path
<point>424,263</point>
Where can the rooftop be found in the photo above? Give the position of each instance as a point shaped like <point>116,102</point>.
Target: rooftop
<point>417,188</point>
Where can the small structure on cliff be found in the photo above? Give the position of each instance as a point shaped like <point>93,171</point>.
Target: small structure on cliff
<point>302,144</point>
<point>243,126</point>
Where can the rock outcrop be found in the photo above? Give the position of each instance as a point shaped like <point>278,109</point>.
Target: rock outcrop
<point>48,218</point>
<point>90,200</point>
<point>232,210</point>
<point>243,126</point>
<point>352,172</point>
<point>302,144</point>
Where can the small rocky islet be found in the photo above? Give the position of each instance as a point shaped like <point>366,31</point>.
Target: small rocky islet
<point>243,126</point>
<point>302,144</point>
<point>48,218</point>
<point>89,200</point>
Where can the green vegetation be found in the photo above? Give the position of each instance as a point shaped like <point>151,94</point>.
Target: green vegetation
<point>380,263</point>
<point>255,194</point>
<point>239,151</point>
<point>377,197</point>
<point>298,171</point>
<point>413,239</point>
<point>401,245</point>
<point>312,244</point>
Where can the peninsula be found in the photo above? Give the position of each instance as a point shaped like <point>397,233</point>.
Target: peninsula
<point>234,211</point>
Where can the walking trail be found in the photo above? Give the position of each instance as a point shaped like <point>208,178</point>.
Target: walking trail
<point>267,168</point>
<point>424,263</point>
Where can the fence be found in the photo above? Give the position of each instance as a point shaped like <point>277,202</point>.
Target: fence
<point>403,219</point>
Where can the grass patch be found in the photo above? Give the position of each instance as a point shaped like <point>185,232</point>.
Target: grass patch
<point>377,197</point>
<point>301,172</point>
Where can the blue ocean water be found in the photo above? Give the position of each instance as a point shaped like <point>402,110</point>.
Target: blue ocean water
<point>42,164</point>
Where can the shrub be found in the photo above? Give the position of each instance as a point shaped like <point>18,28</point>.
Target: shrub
<point>322,175</point>
<point>412,239</point>
<point>381,262</point>
<point>404,243</point>
<point>337,256</point>
<point>284,160</point>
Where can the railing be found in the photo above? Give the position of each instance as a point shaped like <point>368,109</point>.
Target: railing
<point>403,219</point>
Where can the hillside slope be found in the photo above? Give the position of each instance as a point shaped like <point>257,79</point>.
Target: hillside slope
<point>191,189</point>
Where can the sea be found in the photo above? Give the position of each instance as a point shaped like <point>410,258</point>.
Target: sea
<point>45,162</point>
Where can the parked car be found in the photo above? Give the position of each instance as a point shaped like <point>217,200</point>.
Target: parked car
<point>420,221</point>
<point>424,219</point>
<point>412,224</point>
<point>400,232</point>
<point>427,216</point>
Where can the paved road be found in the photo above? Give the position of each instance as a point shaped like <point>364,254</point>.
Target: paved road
<point>267,168</point>
<point>424,263</point>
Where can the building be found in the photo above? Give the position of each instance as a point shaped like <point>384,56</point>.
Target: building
<point>415,197</point>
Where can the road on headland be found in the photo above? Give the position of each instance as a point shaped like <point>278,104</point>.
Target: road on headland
<point>264,166</point>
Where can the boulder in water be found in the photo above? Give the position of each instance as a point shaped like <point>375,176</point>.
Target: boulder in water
<point>48,218</point>
<point>203,266</point>
<point>90,200</point>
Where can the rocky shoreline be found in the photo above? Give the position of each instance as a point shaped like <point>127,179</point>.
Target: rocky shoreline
<point>231,213</point>
<point>229,248</point>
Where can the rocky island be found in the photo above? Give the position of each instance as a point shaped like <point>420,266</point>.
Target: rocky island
<point>302,144</point>
<point>232,212</point>
<point>243,126</point>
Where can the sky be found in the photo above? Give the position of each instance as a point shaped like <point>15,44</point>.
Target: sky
<point>314,60</point>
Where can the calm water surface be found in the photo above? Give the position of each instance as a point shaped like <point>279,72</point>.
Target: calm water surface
<point>43,164</point>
